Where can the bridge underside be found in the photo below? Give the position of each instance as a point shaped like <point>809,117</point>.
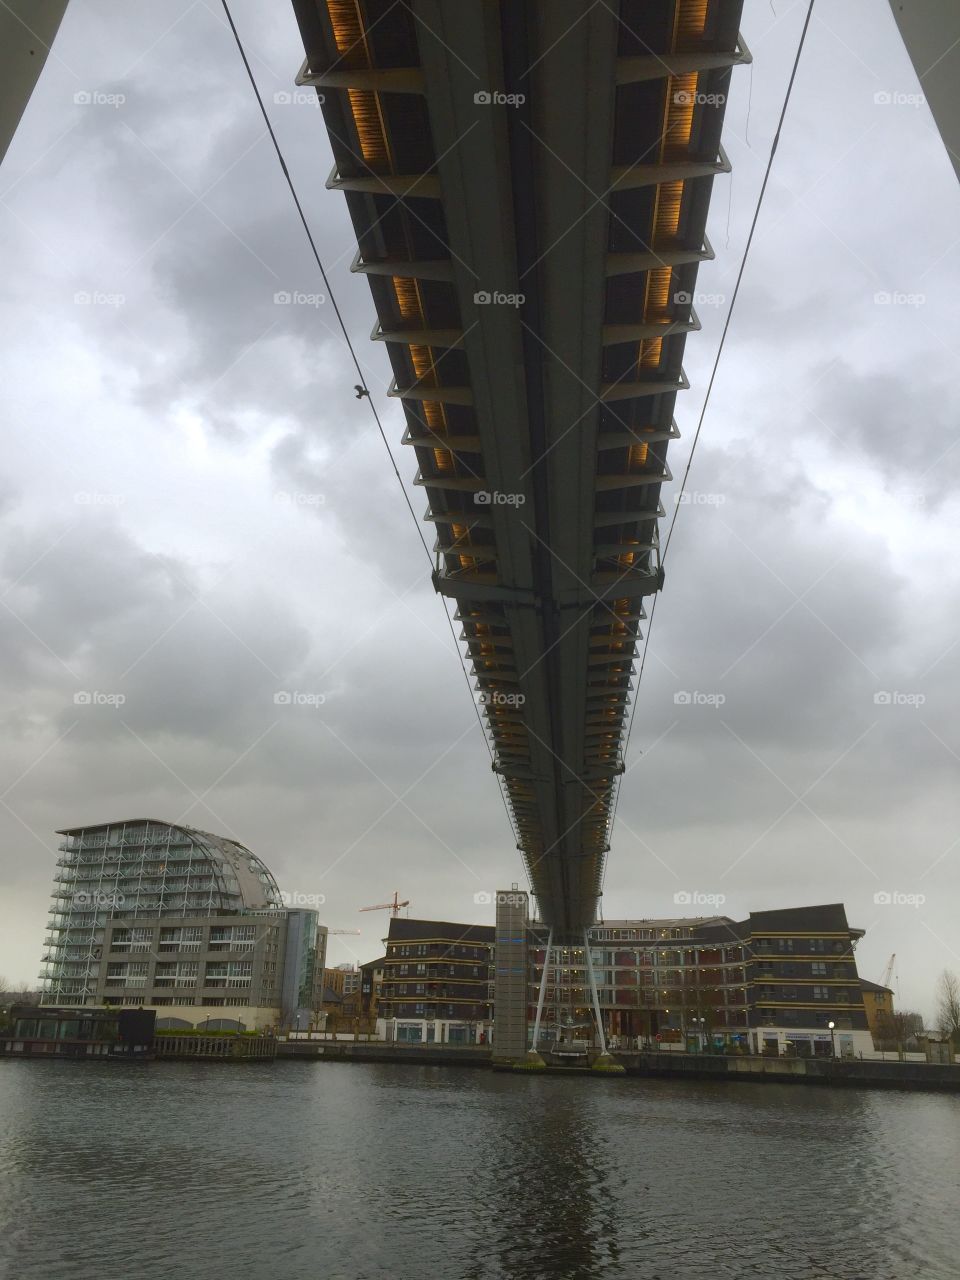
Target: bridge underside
<point>529,183</point>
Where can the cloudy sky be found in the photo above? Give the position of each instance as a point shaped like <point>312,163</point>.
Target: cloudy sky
<point>197,514</point>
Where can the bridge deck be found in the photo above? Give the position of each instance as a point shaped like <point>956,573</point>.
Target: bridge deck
<point>529,184</point>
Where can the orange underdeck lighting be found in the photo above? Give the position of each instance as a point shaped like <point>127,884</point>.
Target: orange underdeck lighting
<point>371,130</point>
<point>349,31</point>
<point>410,306</point>
<point>680,100</point>
<point>690,21</point>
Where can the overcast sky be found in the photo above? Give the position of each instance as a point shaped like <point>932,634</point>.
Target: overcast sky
<point>198,514</point>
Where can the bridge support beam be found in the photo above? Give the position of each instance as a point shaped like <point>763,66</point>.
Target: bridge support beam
<point>543,992</point>
<point>510,983</point>
<point>594,994</point>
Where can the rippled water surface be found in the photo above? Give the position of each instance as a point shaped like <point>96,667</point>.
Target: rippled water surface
<point>323,1170</point>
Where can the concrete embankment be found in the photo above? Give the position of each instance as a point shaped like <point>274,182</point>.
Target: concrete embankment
<point>424,1055</point>
<point>865,1073</point>
<point>663,1065</point>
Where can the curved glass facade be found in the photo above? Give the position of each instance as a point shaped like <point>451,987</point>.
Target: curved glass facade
<point>140,869</point>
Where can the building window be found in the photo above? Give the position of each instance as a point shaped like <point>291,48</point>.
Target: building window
<point>818,969</point>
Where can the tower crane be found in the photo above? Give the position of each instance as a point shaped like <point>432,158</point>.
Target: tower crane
<point>393,907</point>
<point>885,980</point>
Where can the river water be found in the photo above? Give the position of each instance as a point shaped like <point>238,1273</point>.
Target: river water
<point>288,1170</point>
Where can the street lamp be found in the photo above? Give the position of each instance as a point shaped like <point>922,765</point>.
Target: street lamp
<point>833,1044</point>
<point>700,1037</point>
